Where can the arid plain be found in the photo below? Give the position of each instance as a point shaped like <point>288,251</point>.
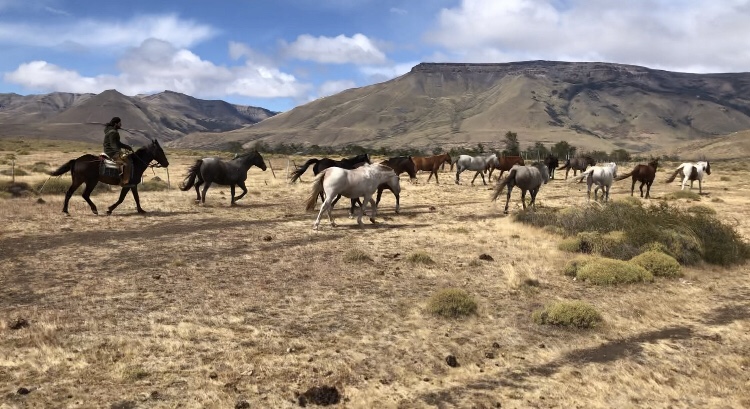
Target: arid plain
<point>213,306</point>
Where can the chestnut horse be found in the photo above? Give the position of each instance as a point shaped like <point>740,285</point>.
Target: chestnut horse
<point>644,174</point>
<point>504,163</point>
<point>431,164</point>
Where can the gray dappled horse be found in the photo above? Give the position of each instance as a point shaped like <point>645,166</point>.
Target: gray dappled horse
<point>475,163</point>
<point>229,173</point>
<point>528,178</point>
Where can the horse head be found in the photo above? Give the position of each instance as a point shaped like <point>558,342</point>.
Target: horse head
<point>708,168</point>
<point>654,163</point>
<point>158,153</point>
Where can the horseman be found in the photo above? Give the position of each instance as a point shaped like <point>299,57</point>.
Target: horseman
<point>113,146</point>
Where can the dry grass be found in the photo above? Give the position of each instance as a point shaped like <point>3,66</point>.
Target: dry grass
<point>204,306</point>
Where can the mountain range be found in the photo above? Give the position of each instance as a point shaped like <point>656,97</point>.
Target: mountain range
<point>595,106</point>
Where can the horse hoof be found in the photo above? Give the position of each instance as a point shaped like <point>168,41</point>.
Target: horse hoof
<point>372,220</point>
<point>95,212</point>
<point>109,212</point>
<point>141,211</point>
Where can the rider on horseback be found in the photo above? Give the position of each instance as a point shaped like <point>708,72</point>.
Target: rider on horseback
<point>112,146</point>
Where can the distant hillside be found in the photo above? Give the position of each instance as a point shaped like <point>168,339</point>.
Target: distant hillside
<point>593,105</point>
<point>167,115</point>
<point>732,146</point>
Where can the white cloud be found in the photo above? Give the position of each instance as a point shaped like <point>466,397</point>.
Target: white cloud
<point>689,35</point>
<point>341,49</point>
<point>334,87</point>
<point>108,33</point>
<point>157,66</point>
<point>396,10</point>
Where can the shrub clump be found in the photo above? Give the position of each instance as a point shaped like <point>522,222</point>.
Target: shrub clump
<point>701,209</point>
<point>60,186</point>
<point>154,184</point>
<point>607,271</point>
<point>576,314</point>
<point>452,303</point>
<point>420,258</point>
<point>683,194</point>
<point>356,256</point>
<point>658,264</point>
<point>572,267</point>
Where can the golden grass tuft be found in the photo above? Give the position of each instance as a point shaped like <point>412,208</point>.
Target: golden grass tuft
<point>682,194</point>
<point>357,256</point>
<point>658,264</point>
<point>452,303</point>
<point>701,209</point>
<point>575,314</point>
<point>420,258</point>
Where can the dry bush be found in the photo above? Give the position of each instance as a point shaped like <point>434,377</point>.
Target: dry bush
<point>153,185</point>
<point>725,179</point>
<point>452,303</point>
<point>572,267</point>
<point>356,256</point>
<point>420,258</point>
<point>658,264</point>
<point>17,172</point>
<point>59,186</point>
<point>701,209</point>
<point>607,271</point>
<point>576,314</point>
<point>40,167</point>
<point>682,194</point>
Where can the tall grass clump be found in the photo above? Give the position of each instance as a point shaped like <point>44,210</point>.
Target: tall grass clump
<point>688,236</point>
<point>420,258</point>
<point>576,314</point>
<point>452,303</point>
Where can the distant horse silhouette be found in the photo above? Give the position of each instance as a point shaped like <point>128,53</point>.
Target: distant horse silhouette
<point>399,164</point>
<point>528,178</point>
<point>215,170</point>
<point>691,172</point>
<point>644,174</point>
<point>475,163</point>
<point>431,164</point>
<point>552,163</point>
<point>85,169</point>
<point>359,182</point>
<point>504,163</point>
<point>602,177</point>
<point>577,163</point>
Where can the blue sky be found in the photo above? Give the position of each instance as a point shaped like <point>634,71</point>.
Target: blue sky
<point>283,53</point>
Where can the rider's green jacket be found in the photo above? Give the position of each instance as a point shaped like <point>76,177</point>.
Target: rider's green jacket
<point>112,144</point>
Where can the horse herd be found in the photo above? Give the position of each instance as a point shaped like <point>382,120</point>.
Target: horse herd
<point>358,178</point>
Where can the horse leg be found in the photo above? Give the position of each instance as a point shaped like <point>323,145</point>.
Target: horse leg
<point>475,177</point>
<point>566,173</point>
<point>241,185</point>
<point>492,169</point>
<point>134,189</point>
<point>353,206</point>
<point>700,187</point>
<point>484,182</point>
<point>437,182</point>
<point>632,188</point>
<point>90,185</point>
<point>533,193</point>
<point>458,172</point>
<point>69,193</point>
<point>205,189</point>
<point>523,199</point>
<point>320,214</point>
<point>641,189</point>
<point>648,189</point>
<point>197,190</point>
<point>430,177</point>
<point>231,193</point>
<point>123,193</point>
<point>507,199</point>
<point>373,208</point>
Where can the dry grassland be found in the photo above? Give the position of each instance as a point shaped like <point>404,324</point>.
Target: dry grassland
<point>208,306</point>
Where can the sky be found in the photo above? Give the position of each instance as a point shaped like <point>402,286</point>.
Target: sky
<point>284,53</point>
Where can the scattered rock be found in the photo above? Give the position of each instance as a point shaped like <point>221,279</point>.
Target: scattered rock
<point>323,396</point>
<point>432,208</point>
<point>486,257</point>
<point>489,355</point>
<point>542,346</point>
<point>267,238</point>
<point>156,276</point>
<point>23,391</point>
<point>213,375</point>
<point>124,404</point>
<point>495,345</point>
<point>451,361</point>
<point>18,323</point>
<point>40,201</point>
<point>242,404</point>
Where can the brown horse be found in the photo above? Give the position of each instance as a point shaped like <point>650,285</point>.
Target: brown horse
<point>577,163</point>
<point>504,163</point>
<point>431,164</point>
<point>85,169</point>
<point>644,174</point>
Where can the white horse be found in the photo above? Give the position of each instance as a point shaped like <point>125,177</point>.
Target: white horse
<point>475,163</point>
<point>355,183</point>
<point>601,176</point>
<point>528,178</point>
<point>691,172</point>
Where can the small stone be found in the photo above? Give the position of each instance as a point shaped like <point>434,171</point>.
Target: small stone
<point>242,404</point>
<point>486,257</point>
<point>489,355</point>
<point>156,276</point>
<point>18,323</point>
<point>40,201</point>
<point>495,345</point>
<point>451,361</point>
<point>213,375</point>
<point>267,238</point>
<point>23,391</point>
<point>542,346</point>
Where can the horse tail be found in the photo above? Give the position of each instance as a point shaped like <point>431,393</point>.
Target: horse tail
<point>64,168</point>
<point>583,174</point>
<point>625,176</point>
<point>317,187</point>
<point>302,169</point>
<point>501,184</point>
<point>674,175</point>
<point>192,173</point>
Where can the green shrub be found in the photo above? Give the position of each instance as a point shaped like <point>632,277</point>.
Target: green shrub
<point>17,172</point>
<point>356,256</point>
<point>658,264</point>
<point>570,244</point>
<point>572,267</point>
<point>577,314</point>
<point>607,271</point>
<point>420,258</point>
<point>40,167</point>
<point>451,303</point>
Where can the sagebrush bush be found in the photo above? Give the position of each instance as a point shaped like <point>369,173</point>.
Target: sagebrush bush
<point>658,264</point>
<point>682,194</point>
<point>17,172</point>
<point>607,271</point>
<point>420,258</point>
<point>452,303</point>
<point>571,268</point>
<point>701,209</point>
<point>153,185</point>
<point>577,314</point>
<point>356,256</point>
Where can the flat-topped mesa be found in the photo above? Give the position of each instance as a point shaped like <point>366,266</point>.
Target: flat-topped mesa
<point>596,71</point>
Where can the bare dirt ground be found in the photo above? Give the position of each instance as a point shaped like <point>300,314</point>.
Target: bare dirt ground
<point>209,306</point>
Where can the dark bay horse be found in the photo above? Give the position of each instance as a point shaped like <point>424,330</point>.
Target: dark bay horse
<point>503,164</point>
<point>325,163</point>
<point>644,174</point>
<point>215,170</point>
<point>552,163</point>
<point>431,164</point>
<point>399,164</point>
<point>85,169</point>
<point>577,163</point>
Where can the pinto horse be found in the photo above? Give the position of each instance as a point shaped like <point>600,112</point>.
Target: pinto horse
<point>85,169</point>
<point>431,164</point>
<point>504,163</point>
<point>577,163</point>
<point>644,174</point>
<point>691,172</point>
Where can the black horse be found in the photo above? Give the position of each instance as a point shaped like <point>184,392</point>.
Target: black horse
<point>399,164</point>
<point>552,163</point>
<point>215,170</point>
<point>85,169</point>
<point>577,163</point>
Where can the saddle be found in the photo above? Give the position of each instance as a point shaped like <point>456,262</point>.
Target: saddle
<point>108,167</point>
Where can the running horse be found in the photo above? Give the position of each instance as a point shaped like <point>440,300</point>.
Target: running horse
<point>431,164</point>
<point>602,177</point>
<point>577,163</point>
<point>504,163</point>
<point>644,174</point>
<point>691,172</point>
<point>399,164</point>
<point>85,169</point>
<point>476,163</point>
<point>552,163</point>
<point>527,178</point>
<point>320,165</point>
